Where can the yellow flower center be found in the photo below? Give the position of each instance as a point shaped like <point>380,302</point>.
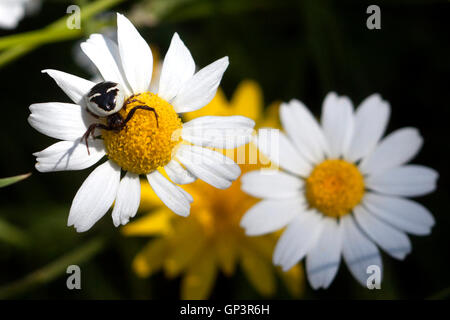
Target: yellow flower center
<point>144,144</point>
<point>334,187</point>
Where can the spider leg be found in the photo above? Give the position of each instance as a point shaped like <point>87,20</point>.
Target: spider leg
<point>91,131</point>
<point>131,101</point>
<point>132,111</point>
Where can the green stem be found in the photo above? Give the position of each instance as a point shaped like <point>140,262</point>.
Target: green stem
<point>52,270</point>
<point>19,44</point>
<point>39,37</point>
<point>88,11</point>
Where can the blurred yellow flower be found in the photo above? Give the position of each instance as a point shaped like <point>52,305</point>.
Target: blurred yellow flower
<point>211,240</point>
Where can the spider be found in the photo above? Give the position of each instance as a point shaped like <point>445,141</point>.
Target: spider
<point>105,100</point>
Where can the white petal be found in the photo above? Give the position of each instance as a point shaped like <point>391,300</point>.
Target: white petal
<point>298,238</point>
<point>323,259</point>
<point>404,214</point>
<point>396,149</point>
<point>75,88</point>
<point>337,122</point>
<point>187,196</point>
<point>271,215</point>
<point>10,14</point>
<point>359,252</point>
<point>303,130</point>
<point>127,200</point>
<point>279,149</point>
<point>175,198</point>
<point>371,119</point>
<point>69,155</point>
<point>135,54</point>
<point>210,166</point>
<point>272,184</point>
<point>198,91</point>
<point>63,121</point>
<point>104,53</point>
<point>177,69</point>
<point>409,180</point>
<point>95,196</point>
<point>219,132</point>
<point>178,174</point>
<point>394,242</point>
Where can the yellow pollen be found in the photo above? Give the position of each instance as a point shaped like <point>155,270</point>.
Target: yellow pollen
<point>334,187</point>
<point>141,146</point>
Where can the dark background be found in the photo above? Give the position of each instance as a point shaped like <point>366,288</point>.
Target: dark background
<point>300,49</point>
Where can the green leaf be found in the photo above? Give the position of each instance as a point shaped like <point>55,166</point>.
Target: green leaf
<point>53,270</point>
<point>12,235</point>
<point>7,181</point>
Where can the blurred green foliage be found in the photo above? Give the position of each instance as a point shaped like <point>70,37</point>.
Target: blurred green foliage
<point>299,49</point>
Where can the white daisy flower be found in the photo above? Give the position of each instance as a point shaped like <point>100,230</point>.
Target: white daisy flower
<point>84,62</point>
<point>12,11</point>
<point>341,190</point>
<point>152,139</point>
